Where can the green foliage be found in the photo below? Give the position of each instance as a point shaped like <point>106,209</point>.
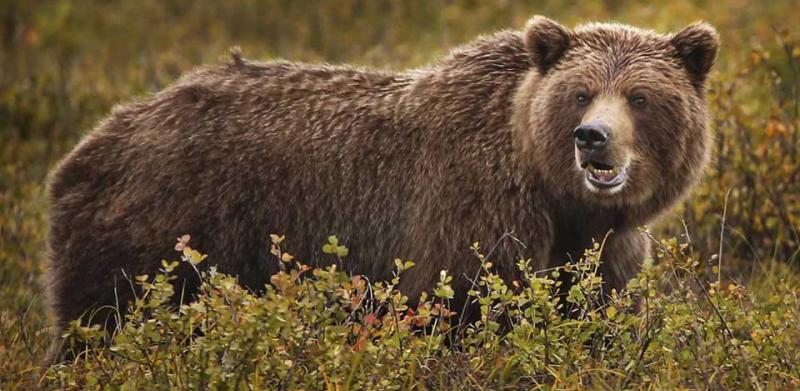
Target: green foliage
<point>335,331</point>
<point>333,247</point>
<point>715,308</point>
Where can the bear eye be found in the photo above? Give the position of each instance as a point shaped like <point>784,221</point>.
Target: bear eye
<point>582,99</point>
<point>639,101</point>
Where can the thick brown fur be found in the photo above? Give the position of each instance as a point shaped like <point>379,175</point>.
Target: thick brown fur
<point>415,165</point>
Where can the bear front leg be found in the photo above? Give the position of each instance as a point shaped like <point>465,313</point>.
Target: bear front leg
<point>622,257</point>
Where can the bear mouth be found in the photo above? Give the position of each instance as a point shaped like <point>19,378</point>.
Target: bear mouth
<point>604,176</point>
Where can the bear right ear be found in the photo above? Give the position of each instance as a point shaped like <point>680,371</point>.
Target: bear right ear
<point>546,41</point>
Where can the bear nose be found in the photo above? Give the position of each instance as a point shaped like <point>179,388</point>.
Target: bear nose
<point>591,136</point>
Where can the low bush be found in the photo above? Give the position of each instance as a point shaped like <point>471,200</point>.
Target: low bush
<point>675,326</point>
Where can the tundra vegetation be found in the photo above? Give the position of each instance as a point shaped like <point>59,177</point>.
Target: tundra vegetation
<point>716,307</point>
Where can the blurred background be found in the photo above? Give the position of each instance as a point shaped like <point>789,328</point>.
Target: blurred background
<point>64,64</point>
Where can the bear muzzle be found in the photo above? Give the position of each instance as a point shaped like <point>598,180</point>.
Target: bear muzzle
<point>594,155</point>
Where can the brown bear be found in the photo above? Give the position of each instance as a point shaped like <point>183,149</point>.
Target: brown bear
<point>555,136</point>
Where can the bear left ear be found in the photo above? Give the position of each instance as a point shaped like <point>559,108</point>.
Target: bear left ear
<point>546,41</point>
<point>697,46</point>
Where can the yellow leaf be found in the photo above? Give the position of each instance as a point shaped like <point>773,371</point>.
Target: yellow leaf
<point>193,256</point>
<point>277,239</point>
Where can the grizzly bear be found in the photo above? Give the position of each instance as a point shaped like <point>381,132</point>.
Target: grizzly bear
<point>554,136</point>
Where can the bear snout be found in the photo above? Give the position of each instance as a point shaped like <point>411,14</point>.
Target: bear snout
<point>598,157</point>
<point>591,137</point>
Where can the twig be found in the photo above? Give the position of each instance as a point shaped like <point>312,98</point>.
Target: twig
<point>722,236</point>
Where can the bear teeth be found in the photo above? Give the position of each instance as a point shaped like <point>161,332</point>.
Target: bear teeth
<point>597,171</point>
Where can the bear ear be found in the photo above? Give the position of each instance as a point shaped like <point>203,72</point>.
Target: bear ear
<point>546,41</point>
<point>697,46</point>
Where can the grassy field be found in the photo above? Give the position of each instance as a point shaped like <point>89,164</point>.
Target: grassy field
<point>721,299</point>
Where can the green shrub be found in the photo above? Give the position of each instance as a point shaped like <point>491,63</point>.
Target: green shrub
<point>325,329</point>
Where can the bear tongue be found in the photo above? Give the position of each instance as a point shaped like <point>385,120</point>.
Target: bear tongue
<point>605,176</point>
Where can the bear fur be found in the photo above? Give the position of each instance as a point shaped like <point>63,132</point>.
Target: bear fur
<point>413,165</point>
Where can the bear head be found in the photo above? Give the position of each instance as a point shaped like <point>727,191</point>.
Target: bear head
<point>615,115</point>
